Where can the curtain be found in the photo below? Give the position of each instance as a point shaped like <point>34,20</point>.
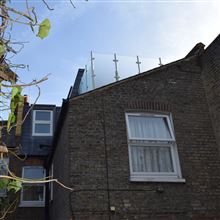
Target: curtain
<point>149,127</point>
<point>151,159</point>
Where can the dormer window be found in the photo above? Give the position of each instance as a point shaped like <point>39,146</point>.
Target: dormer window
<point>42,123</point>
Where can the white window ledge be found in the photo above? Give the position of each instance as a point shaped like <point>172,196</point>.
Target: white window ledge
<point>31,204</point>
<point>156,179</point>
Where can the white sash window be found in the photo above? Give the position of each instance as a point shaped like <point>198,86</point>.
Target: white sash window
<point>152,148</point>
<point>42,123</point>
<point>33,195</point>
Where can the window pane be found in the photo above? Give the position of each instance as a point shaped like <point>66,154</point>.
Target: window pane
<point>33,193</point>
<point>149,127</point>
<point>3,169</point>
<point>42,115</point>
<point>42,128</point>
<point>2,192</point>
<point>151,159</point>
<point>33,172</point>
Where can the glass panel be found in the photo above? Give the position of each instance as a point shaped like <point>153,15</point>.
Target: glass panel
<point>149,127</point>
<point>3,192</point>
<point>42,115</point>
<point>33,193</point>
<point>42,128</point>
<point>3,169</point>
<point>103,63</point>
<point>33,172</point>
<point>151,159</point>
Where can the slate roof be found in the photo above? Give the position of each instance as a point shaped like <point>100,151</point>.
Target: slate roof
<point>33,145</point>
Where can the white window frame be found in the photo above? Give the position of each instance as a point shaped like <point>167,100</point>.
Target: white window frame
<point>3,192</point>
<point>32,203</point>
<point>50,122</point>
<point>51,186</point>
<point>174,176</point>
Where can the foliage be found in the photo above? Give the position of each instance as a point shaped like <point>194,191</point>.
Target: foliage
<point>44,28</point>
<point>11,92</point>
<point>16,98</point>
<point>10,100</point>
<point>4,183</point>
<point>13,185</point>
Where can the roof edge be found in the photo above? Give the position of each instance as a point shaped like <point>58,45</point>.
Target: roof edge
<point>198,49</point>
<point>185,59</point>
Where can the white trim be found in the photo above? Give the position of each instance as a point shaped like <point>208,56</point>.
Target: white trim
<point>32,203</point>
<point>156,179</point>
<point>49,122</point>
<point>174,176</point>
<point>51,184</point>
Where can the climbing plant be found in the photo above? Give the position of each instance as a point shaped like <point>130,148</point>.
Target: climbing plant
<point>11,93</point>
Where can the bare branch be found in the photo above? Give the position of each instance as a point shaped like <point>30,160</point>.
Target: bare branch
<point>31,181</point>
<point>48,7</point>
<point>10,208</point>
<point>71,2</point>
<point>33,83</point>
<point>17,12</point>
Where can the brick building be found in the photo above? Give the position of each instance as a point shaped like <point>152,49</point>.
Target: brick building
<point>33,147</point>
<point>146,147</point>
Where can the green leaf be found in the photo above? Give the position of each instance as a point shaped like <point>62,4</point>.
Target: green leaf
<point>44,28</point>
<point>11,119</point>
<point>16,97</point>
<point>2,49</point>
<point>14,185</point>
<point>13,106</point>
<point>3,183</point>
<point>21,98</point>
<point>15,91</point>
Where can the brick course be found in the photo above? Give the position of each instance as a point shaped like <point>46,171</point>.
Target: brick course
<point>98,150</point>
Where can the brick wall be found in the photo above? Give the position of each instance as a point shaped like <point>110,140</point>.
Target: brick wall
<point>211,77</point>
<point>60,207</point>
<point>98,150</point>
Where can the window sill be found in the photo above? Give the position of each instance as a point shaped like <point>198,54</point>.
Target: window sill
<point>156,179</point>
<point>31,204</point>
<point>42,134</point>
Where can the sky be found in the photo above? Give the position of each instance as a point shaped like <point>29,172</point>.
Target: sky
<point>151,29</point>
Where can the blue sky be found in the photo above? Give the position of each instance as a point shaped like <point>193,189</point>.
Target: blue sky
<point>150,29</point>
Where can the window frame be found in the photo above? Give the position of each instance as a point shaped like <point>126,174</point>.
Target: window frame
<point>32,203</point>
<point>176,175</point>
<point>34,122</point>
<point>51,184</point>
<point>152,115</point>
